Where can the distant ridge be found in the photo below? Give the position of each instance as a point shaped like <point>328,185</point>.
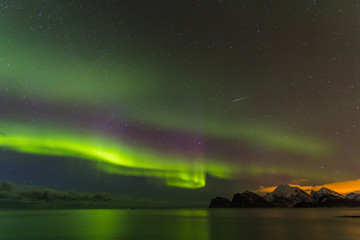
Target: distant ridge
<point>285,196</point>
<point>28,188</point>
<point>17,196</point>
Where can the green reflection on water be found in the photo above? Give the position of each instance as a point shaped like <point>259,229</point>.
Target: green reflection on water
<point>194,224</point>
<point>105,224</point>
<point>99,223</point>
<point>279,224</point>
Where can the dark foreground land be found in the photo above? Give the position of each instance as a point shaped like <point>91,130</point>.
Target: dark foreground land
<point>14,196</point>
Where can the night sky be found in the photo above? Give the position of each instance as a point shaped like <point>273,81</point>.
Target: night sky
<point>181,98</point>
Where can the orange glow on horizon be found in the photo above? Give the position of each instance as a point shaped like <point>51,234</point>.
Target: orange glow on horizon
<point>340,187</point>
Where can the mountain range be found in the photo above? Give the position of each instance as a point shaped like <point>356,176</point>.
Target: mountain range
<point>285,196</point>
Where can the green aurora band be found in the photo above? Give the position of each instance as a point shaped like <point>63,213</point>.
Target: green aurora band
<point>43,140</point>
<point>116,157</point>
<point>41,71</point>
<point>44,73</point>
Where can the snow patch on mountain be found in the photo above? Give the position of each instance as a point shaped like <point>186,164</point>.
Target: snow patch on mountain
<point>353,196</point>
<point>293,193</point>
<point>324,194</point>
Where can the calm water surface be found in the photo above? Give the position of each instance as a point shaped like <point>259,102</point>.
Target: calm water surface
<point>181,224</point>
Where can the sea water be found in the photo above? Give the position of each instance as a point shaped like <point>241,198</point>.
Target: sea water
<point>201,224</point>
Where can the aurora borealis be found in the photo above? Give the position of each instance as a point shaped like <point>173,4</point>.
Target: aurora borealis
<point>215,96</point>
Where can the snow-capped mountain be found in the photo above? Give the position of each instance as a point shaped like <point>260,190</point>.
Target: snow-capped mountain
<point>286,191</point>
<point>285,196</point>
<point>353,196</point>
<point>325,193</point>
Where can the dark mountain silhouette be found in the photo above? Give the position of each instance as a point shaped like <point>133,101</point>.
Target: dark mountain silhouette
<point>249,200</point>
<point>219,202</point>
